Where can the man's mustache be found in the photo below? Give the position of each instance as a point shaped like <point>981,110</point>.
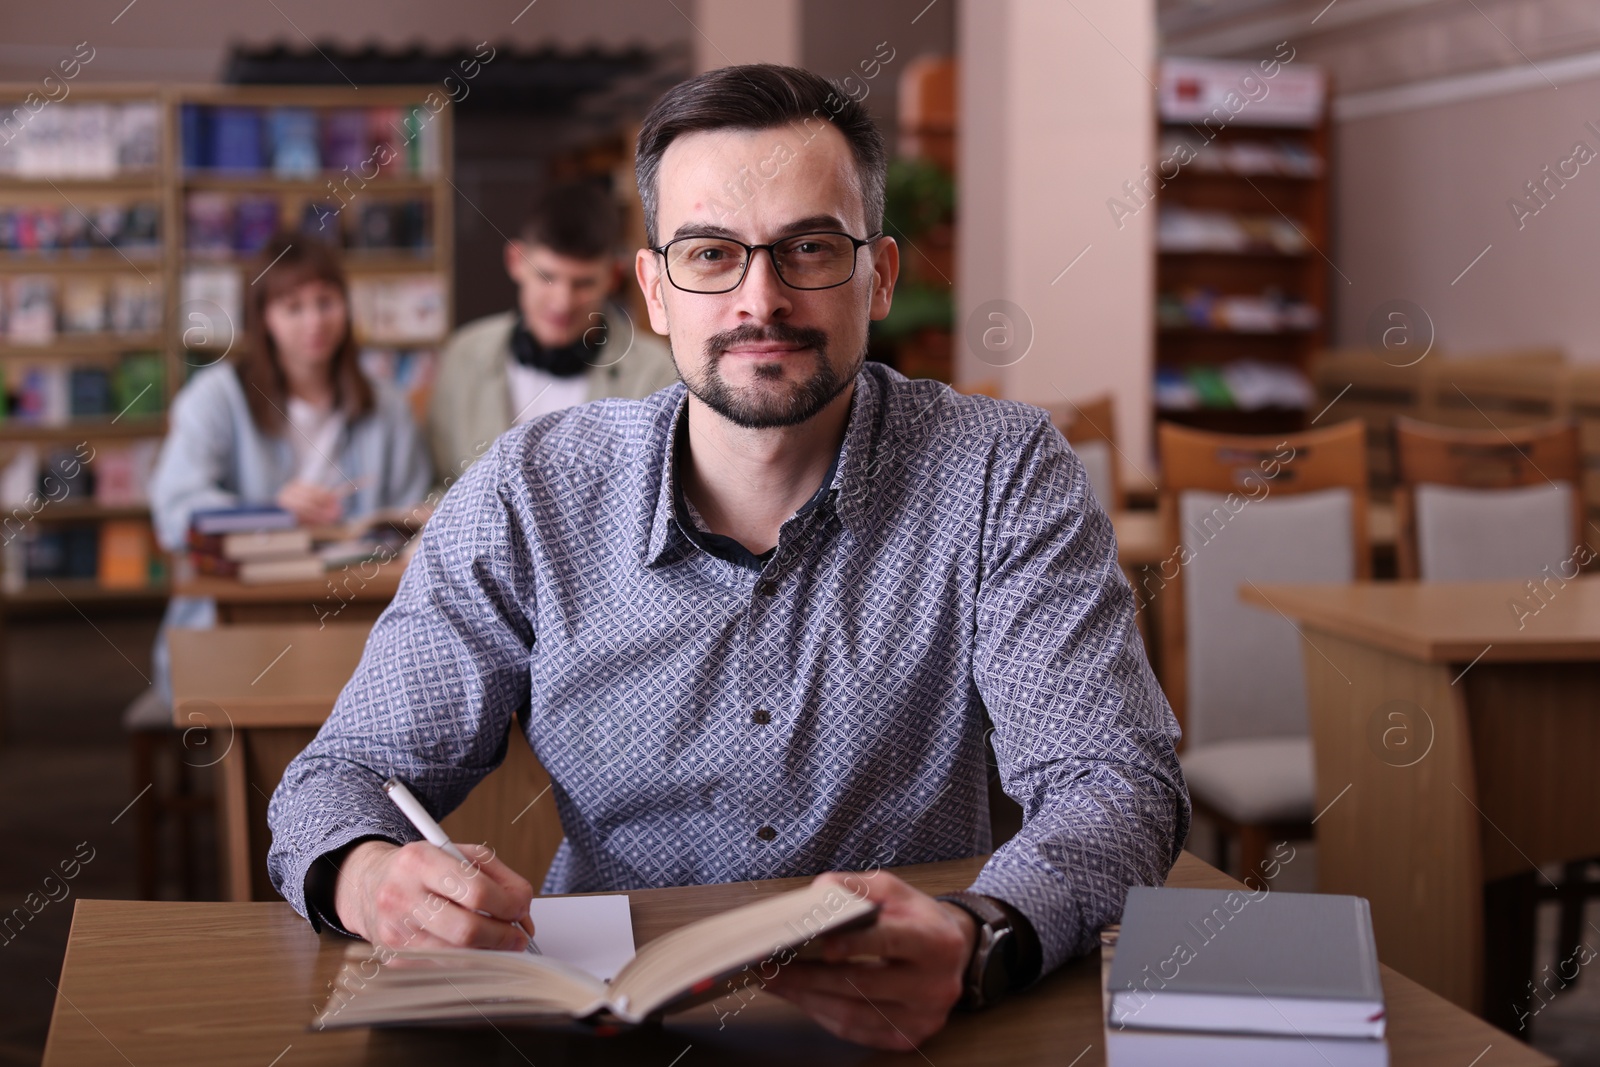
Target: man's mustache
<point>779,332</point>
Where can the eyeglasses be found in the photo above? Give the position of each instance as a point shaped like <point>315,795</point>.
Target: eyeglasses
<point>718,264</point>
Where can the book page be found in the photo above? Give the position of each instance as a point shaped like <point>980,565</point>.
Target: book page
<point>594,934</point>
<point>691,959</point>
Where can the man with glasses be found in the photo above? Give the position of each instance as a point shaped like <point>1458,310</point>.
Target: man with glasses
<point>755,624</point>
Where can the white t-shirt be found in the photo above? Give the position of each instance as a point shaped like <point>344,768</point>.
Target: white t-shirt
<point>535,393</point>
<point>314,433</point>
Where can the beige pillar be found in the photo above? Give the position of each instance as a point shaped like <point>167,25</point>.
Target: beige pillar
<point>745,31</point>
<point>1055,301</point>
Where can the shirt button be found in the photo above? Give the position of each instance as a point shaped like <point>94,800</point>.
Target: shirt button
<point>761,716</point>
<point>767,589</point>
<point>766,833</point>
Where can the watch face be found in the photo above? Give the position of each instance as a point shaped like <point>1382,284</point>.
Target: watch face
<point>996,979</point>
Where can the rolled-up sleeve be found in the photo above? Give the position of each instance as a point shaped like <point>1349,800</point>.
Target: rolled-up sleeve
<point>1084,737</point>
<point>440,683</point>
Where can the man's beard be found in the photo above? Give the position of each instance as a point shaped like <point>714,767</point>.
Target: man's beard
<point>767,410</point>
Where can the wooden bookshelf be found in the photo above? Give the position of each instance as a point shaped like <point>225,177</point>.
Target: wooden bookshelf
<point>1261,294</point>
<point>167,184</point>
<point>352,191</point>
<point>66,207</point>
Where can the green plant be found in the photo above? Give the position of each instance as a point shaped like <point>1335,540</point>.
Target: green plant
<point>918,197</point>
<point>916,307</point>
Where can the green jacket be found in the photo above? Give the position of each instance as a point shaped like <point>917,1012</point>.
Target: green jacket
<point>471,402</point>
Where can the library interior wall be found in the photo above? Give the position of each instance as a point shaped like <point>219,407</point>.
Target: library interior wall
<point>1057,111</point>
<point>1420,193</point>
<point>746,31</point>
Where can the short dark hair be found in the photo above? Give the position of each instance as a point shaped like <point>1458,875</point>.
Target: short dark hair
<point>579,220</point>
<point>760,96</point>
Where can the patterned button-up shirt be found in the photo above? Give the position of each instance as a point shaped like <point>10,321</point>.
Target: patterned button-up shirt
<point>706,722</point>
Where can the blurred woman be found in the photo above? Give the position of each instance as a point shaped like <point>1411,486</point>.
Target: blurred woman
<point>291,421</point>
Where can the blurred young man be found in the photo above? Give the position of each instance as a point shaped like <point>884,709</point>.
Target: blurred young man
<point>565,343</point>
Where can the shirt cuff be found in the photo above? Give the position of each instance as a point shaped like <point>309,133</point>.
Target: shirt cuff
<point>322,878</point>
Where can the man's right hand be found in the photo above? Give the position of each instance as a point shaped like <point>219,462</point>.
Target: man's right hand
<point>416,896</point>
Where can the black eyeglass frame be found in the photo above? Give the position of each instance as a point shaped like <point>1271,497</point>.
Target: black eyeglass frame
<point>772,257</point>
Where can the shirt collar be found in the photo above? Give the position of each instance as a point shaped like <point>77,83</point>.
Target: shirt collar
<point>845,482</point>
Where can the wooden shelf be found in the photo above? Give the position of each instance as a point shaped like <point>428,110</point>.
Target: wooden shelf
<point>69,512</point>
<point>1301,276</point>
<point>91,344</point>
<point>167,185</point>
<point>354,260</point>
<point>38,592</point>
<point>1221,253</point>
<point>78,260</point>
<point>1237,420</point>
<point>267,183</point>
<point>15,430</point>
<point>1190,174</point>
<point>152,182</point>
<point>1221,331</point>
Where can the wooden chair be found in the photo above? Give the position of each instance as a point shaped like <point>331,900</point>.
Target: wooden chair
<point>1479,505</point>
<point>1476,505</point>
<point>161,765</point>
<point>1240,509</point>
<point>1090,428</point>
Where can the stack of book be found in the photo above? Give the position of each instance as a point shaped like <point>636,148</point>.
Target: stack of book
<point>254,545</point>
<point>1244,384</point>
<point>263,545</point>
<point>1243,977</point>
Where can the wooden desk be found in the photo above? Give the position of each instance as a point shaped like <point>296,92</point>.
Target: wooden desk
<point>263,691</point>
<point>357,593</point>
<point>1452,747</point>
<point>217,984</point>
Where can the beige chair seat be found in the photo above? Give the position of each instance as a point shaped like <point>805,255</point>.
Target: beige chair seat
<point>147,711</point>
<point>1258,781</point>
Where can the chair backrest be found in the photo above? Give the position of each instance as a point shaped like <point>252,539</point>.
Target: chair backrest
<point>1486,504</point>
<point>1090,428</point>
<point>1238,509</point>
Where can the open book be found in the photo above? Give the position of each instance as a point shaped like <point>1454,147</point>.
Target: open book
<point>675,971</point>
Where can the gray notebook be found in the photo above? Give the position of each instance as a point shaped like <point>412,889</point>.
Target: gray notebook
<point>1246,962</point>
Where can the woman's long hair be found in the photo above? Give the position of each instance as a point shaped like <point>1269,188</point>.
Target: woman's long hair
<point>286,263</point>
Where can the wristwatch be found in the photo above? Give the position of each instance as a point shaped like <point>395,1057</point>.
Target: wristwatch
<point>990,972</point>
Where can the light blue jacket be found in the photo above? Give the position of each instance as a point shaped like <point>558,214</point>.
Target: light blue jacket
<point>215,457</point>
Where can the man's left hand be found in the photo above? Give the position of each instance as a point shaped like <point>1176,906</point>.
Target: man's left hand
<point>902,996</point>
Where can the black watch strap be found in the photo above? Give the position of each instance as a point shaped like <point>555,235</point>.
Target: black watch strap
<point>991,970</point>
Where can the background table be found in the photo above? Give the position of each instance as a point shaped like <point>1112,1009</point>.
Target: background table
<point>1455,744</point>
<point>357,593</point>
<point>214,984</point>
<point>262,692</point>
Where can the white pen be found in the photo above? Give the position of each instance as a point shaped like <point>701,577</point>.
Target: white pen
<point>419,817</point>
